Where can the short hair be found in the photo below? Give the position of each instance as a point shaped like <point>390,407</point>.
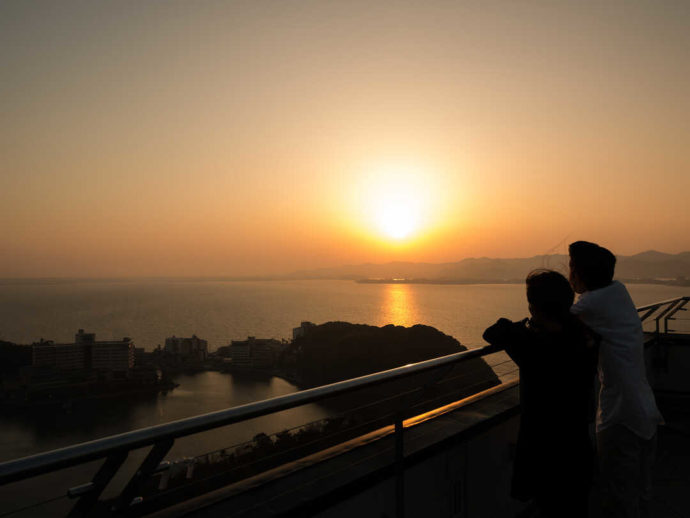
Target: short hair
<point>593,264</point>
<point>550,293</point>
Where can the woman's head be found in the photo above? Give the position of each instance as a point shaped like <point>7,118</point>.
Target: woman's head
<point>591,266</point>
<point>549,294</point>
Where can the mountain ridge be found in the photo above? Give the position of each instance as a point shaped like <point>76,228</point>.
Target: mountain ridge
<point>647,265</point>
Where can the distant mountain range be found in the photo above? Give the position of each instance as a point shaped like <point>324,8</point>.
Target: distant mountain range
<point>643,267</point>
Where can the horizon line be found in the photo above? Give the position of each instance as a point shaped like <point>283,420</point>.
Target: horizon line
<point>269,277</point>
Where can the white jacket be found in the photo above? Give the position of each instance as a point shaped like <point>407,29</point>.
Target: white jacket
<point>625,396</point>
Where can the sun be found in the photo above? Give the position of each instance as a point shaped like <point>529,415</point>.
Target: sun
<point>396,201</point>
<point>397,214</point>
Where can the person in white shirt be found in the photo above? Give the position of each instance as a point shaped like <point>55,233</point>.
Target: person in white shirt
<point>627,415</point>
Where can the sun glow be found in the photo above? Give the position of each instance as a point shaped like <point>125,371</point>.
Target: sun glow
<point>398,213</point>
<point>396,200</point>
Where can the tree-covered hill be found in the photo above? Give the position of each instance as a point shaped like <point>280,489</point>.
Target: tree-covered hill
<point>335,351</point>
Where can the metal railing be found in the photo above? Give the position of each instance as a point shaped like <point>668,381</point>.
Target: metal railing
<point>115,449</point>
<point>663,311</point>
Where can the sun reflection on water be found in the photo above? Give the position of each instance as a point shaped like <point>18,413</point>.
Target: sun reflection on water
<point>399,307</point>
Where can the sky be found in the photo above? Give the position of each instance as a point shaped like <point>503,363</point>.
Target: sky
<point>146,138</point>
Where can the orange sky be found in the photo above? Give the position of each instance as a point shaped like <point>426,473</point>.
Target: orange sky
<point>235,138</point>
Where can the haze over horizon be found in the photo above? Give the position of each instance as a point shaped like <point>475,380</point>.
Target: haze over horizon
<point>653,260</point>
<point>258,138</point>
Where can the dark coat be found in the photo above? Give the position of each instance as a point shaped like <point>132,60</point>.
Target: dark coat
<point>554,453</point>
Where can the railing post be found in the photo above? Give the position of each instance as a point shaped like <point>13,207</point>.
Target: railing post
<point>649,312</point>
<point>100,480</point>
<point>399,467</point>
<point>672,304</point>
<point>147,467</point>
<point>669,316</point>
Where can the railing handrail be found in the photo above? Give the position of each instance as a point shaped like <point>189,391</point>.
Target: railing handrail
<point>53,460</point>
<point>657,305</point>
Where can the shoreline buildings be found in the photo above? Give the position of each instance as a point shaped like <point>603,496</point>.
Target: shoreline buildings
<point>302,330</point>
<point>252,353</point>
<point>187,349</point>
<point>116,356</point>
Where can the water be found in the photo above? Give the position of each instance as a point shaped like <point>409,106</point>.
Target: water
<point>149,311</point>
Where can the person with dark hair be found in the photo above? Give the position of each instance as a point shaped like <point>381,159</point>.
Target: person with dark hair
<point>556,356</point>
<point>627,415</point>
<point>595,266</point>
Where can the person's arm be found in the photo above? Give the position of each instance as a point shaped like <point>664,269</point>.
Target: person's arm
<point>582,307</point>
<point>498,333</point>
<point>507,335</point>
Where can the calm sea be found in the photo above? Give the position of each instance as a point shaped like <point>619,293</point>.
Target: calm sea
<point>150,311</point>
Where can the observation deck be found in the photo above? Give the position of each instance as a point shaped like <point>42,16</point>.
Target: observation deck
<point>396,443</point>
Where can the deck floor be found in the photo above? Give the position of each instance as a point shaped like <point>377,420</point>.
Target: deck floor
<point>671,474</point>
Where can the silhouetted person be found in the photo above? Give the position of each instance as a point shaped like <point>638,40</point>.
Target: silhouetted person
<point>627,415</point>
<point>556,356</point>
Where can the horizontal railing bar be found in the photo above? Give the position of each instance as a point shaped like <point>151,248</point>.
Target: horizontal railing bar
<point>77,454</point>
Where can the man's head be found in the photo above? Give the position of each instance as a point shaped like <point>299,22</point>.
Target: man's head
<point>549,294</point>
<point>591,266</point>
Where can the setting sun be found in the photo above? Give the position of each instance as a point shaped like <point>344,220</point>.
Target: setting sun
<point>395,199</point>
<point>398,214</point>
